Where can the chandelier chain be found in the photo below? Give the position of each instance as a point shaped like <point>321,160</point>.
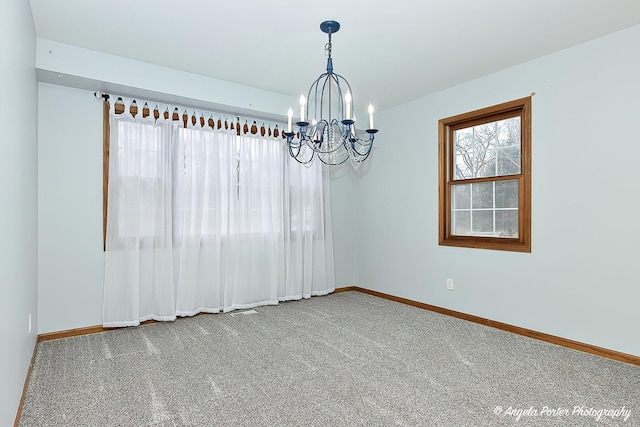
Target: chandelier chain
<point>327,47</point>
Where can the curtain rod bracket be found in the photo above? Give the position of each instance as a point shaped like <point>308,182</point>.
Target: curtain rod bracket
<point>100,95</point>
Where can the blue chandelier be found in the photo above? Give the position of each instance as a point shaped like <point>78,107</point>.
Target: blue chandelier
<point>331,135</point>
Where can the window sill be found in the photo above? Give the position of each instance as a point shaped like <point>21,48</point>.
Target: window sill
<point>493,243</point>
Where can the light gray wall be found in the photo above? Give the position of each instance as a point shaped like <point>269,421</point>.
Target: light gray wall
<point>581,280</point>
<point>342,208</point>
<point>70,255</point>
<point>72,66</point>
<point>18,198</point>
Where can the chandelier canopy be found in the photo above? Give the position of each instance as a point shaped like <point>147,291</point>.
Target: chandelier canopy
<point>331,135</point>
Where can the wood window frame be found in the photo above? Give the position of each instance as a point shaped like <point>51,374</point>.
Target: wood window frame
<point>522,243</point>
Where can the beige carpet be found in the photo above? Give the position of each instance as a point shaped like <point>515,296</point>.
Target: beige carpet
<point>342,359</point>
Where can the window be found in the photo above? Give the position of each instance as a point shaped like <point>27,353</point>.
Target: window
<point>484,165</point>
<point>138,175</point>
<point>218,179</point>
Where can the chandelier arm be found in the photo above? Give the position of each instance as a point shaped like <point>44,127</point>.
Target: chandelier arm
<point>317,147</point>
<point>363,142</point>
<point>337,78</point>
<point>355,155</point>
<point>291,148</point>
<point>333,164</point>
<point>303,162</point>
<point>365,157</point>
<point>335,159</point>
<point>297,156</point>
<point>313,94</point>
<point>326,81</point>
<point>365,153</point>
<point>367,144</point>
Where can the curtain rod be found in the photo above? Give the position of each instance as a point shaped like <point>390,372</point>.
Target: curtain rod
<point>226,114</point>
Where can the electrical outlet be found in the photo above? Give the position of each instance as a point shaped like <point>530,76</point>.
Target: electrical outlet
<point>29,323</point>
<point>450,284</point>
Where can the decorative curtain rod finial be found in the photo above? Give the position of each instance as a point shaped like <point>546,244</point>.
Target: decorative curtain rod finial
<point>100,95</point>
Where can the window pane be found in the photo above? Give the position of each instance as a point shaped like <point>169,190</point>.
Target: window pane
<point>463,167</point>
<point>462,196</point>
<point>489,149</point>
<point>482,195</point>
<point>482,222</point>
<point>507,194</point>
<point>461,223</point>
<point>507,223</point>
<point>508,132</point>
<point>477,218</point>
<point>509,161</point>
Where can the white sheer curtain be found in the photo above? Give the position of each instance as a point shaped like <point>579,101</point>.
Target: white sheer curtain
<point>244,223</point>
<point>254,244</point>
<point>138,283</point>
<point>202,169</point>
<point>233,255</point>
<point>308,237</point>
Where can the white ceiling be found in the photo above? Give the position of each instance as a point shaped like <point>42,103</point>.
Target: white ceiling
<point>391,51</point>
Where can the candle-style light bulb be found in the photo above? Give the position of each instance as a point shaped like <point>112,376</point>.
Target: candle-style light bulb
<point>370,116</point>
<point>290,114</point>
<point>347,100</point>
<point>302,102</point>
